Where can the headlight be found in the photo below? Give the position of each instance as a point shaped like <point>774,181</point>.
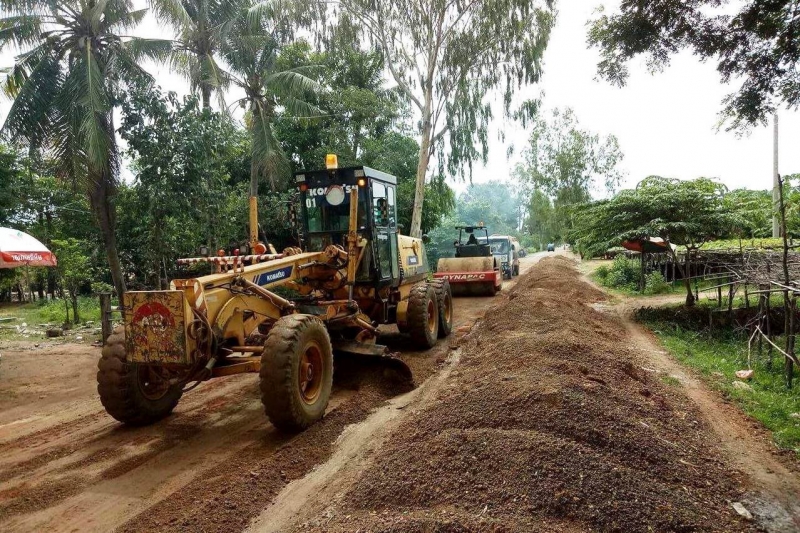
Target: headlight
<point>335,195</point>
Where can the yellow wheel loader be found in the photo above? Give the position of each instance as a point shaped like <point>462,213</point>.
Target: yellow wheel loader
<point>282,315</point>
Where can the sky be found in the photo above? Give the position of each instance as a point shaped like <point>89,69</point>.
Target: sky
<point>665,122</point>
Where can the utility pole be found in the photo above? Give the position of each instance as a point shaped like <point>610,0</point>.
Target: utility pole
<point>776,187</point>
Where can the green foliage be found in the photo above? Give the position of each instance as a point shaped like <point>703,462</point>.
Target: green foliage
<point>74,270</point>
<point>497,204</point>
<point>252,49</point>
<point>363,125</point>
<point>359,116</point>
<point>75,58</point>
<point>624,274</point>
<point>462,46</point>
<point>51,311</point>
<point>201,27</point>
<point>11,184</point>
<point>446,58</point>
<point>542,222</point>
<point>682,212</point>
<point>736,244</point>
<point>755,42</point>
<point>754,209</point>
<point>654,283</point>
<point>718,355</point>
<point>183,195</point>
<point>563,165</point>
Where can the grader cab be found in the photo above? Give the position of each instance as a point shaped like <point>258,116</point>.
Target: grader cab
<point>282,315</point>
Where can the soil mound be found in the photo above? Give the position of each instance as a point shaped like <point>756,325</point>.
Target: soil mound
<point>549,423</point>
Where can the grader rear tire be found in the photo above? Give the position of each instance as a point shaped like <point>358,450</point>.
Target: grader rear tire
<point>132,393</point>
<point>423,315</point>
<point>296,372</point>
<point>444,298</point>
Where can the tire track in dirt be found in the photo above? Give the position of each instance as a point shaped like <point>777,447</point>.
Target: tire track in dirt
<point>229,501</point>
<point>314,493</point>
<point>76,469</point>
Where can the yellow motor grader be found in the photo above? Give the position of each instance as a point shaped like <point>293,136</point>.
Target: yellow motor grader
<point>281,315</point>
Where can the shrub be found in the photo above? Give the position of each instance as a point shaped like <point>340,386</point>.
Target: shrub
<point>623,274</point>
<point>654,283</point>
<point>602,272</point>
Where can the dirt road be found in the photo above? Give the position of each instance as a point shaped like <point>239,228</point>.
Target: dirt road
<point>549,417</point>
<point>213,465</point>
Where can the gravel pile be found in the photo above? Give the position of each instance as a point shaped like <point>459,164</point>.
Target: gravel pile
<point>551,422</point>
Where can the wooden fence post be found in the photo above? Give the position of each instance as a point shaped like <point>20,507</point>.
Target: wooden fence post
<point>789,364</point>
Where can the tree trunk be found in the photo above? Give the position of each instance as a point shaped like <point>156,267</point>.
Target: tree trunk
<point>687,280</point>
<point>205,94</point>
<point>253,176</point>
<point>100,197</point>
<point>73,294</point>
<point>422,170</point>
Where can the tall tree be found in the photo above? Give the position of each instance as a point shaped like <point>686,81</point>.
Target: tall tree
<point>202,27</point>
<point>74,59</point>
<point>755,42</point>
<point>686,213</point>
<point>447,56</point>
<point>251,50</point>
<point>541,218</point>
<point>358,109</point>
<point>182,186</point>
<point>568,163</point>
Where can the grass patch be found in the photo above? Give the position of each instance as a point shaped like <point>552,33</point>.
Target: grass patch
<point>734,244</point>
<point>621,277</point>
<point>671,380</point>
<point>45,312</point>
<point>717,355</point>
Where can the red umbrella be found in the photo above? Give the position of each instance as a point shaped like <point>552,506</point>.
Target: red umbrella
<point>20,249</point>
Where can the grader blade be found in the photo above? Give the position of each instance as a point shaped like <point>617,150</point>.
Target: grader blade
<point>375,353</point>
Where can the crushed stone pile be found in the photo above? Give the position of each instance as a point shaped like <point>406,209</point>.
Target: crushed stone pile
<point>550,422</point>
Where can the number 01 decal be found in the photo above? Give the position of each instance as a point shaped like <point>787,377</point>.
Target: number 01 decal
<point>311,202</point>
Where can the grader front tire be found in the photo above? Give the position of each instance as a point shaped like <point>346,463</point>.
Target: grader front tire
<point>296,372</point>
<point>423,315</point>
<point>131,393</point>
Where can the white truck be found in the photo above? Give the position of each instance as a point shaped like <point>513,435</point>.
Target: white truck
<point>505,253</point>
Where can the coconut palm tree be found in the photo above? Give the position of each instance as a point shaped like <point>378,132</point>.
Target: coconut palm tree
<point>74,57</point>
<point>252,52</point>
<point>201,26</point>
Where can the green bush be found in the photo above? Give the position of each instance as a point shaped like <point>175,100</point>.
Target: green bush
<point>623,274</point>
<point>602,272</point>
<point>53,311</point>
<point>654,283</point>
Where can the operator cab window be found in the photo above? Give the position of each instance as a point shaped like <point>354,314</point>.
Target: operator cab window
<point>329,209</point>
<point>392,207</point>
<point>379,203</point>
